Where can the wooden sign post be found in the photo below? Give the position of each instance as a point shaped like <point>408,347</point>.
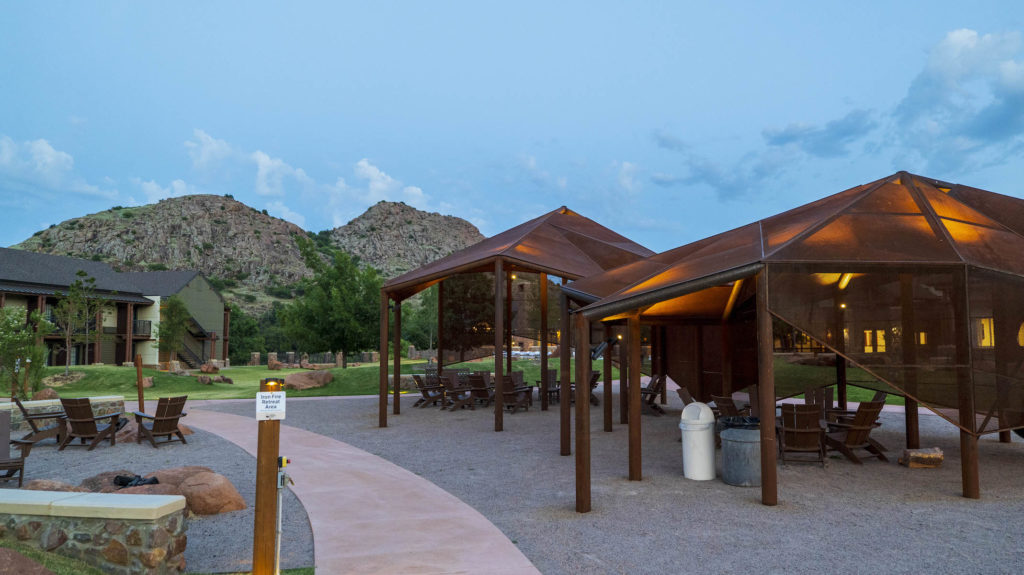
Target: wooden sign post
<point>269,411</point>
<point>138,382</point>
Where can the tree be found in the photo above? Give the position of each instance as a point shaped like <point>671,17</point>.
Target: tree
<point>419,319</point>
<point>245,336</point>
<point>70,314</point>
<point>337,310</point>
<point>174,318</point>
<point>468,312</point>
<point>18,343</point>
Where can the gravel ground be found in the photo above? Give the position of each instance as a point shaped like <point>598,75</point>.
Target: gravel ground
<point>217,543</point>
<point>879,517</point>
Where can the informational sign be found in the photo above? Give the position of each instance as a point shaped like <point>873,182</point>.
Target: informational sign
<point>269,405</point>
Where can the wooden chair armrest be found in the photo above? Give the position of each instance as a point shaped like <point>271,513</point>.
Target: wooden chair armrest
<point>45,415</point>
<point>146,415</point>
<point>24,446</point>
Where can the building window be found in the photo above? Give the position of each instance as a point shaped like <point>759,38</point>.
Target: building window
<point>983,334</point>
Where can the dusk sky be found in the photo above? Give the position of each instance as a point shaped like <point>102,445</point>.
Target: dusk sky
<point>666,122</point>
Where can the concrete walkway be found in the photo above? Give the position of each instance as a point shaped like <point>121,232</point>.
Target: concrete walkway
<point>371,516</point>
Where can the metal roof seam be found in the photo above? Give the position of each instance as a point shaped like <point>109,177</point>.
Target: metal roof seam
<point>811,229</point>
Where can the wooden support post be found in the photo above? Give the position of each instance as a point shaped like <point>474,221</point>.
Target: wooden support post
<point>663,354</point>
<point>499,332</point>
<point>129,326</point>
<point>607,369</point>
<point>382,412</point>
<point>440,327</point>
<point>564,385</point>
<point>227,333</point>
<point>582,414</point>
<point>544,383</point>
<point>965,388</point>
<point>397,337</point>
<point>635,465</point>
<point>265,520</point>
<point>138,382</point>
<point>908,325</point>
<point>840,342</point>
<point>97,356</point>
<point>508,323</point>
<point>766,393</point>
<point>624,369</point>
<point>726,360</point>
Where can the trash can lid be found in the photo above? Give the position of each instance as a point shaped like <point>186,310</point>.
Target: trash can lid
<point>697,412</point>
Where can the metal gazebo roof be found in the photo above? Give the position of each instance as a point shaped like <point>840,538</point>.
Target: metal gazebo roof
<point>561,243</point>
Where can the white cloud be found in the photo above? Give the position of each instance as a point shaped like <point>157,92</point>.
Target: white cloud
<point>373,185</point>
<point>627,177</point>
<point>206,151</point>
<point>540,177</point>
<point>36,165</point>
<point>271,174</point>
<point>155,192</point>
<point>277,208</point>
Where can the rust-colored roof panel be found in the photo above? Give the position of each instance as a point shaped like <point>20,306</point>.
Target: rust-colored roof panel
<point>561,242</point>
<point>899,219</point>
<point>871,237</point>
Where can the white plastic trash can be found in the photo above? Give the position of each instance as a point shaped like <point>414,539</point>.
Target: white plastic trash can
<point>697,425</point>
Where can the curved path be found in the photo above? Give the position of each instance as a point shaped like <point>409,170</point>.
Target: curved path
<point>371,516</point>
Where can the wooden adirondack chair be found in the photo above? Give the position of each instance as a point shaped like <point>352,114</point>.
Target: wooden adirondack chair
<point>846,437</point>
<point>595,376</point>
<point>11,467</point>
<point>38,422</point>
<point>456,395</point>
<point>684,395</point>
<point>725,406</point>
<point>649,394</point>
<point>164,423</point>
<point>82,424</point>
<point>553,386</point>
<point>515,397</point>
<point>801,431</point>
<point>481,388</point>
<point>431,394</point>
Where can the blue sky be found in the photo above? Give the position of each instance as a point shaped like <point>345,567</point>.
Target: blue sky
<point>667,122</point>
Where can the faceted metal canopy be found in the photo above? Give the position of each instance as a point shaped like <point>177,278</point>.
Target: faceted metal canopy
<point>900,219</point>
<point>561,243</point>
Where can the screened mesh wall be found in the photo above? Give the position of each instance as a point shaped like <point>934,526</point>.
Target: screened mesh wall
<point>922,332</point>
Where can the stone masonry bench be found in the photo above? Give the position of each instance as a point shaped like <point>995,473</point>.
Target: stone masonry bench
<point>118,533</point>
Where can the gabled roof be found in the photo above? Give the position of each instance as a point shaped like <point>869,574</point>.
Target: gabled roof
<point>562,243</point>
<point>161,283</point>
<point>28,272</point>
<point>901,219</point>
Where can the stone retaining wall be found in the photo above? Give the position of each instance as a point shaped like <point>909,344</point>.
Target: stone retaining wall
<point>119,534</point>
<point>101,405</point>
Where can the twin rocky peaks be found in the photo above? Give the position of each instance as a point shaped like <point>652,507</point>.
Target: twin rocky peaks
<point>250,256</point>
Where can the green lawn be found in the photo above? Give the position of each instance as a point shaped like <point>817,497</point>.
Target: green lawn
<point>109,380</point>
<point>363,380</point>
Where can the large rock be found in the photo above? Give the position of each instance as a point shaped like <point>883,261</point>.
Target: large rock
<point>308,379</point>
<point>45,393</point>
<point>104,482</point>
<point>274,365</point>
<point>155,489</point>
<point>185,430</point>
<point>14,563</point>
<point>147,382</point>
<point>204,379</point>
<point>209,493</point>
<point>208,368</point>
<point>175,475</point>
<point>128,433</point>
<point>51,485</point>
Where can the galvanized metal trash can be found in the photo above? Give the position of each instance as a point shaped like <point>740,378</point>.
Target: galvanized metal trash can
<point>697,425</point>
<point>741,457</point>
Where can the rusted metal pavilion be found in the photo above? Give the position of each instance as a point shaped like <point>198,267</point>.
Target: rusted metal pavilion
<point>914,280</point>
<point>561,243</point>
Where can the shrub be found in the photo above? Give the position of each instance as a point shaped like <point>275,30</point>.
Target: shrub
<point>156,267</point>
